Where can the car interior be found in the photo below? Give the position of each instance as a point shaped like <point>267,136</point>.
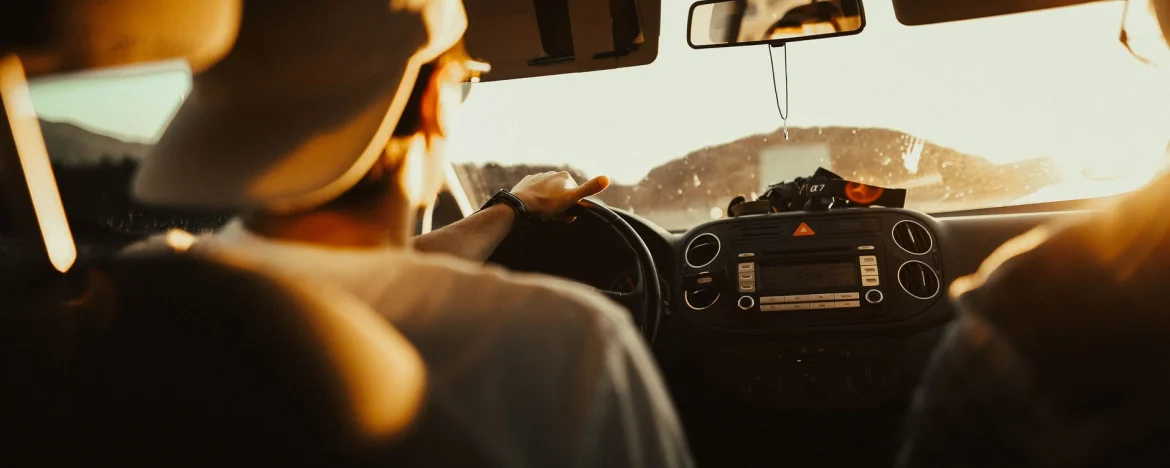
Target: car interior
<point>792,284</point>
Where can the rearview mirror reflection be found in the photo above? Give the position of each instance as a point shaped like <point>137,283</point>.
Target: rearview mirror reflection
<point>729,23</point>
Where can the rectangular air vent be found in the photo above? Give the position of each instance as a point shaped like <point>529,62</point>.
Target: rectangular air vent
<point>763,229</point>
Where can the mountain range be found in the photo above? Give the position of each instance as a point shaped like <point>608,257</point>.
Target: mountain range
<point>710,177</point>
<point>689,187</point>
<point>71,145</point>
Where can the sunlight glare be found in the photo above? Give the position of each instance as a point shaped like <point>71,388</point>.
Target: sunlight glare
<point>34,160</point>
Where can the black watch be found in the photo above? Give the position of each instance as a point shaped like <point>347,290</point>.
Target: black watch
<point>522,217</point>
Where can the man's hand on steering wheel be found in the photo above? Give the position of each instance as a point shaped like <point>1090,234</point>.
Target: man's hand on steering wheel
<point>556,196</point>
<point>547,195</point>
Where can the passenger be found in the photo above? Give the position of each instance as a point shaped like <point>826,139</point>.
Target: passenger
<point>1059,355</point>
<point>324,127</point>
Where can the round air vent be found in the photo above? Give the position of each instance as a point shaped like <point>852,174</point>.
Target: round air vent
<point>918,279</point>
<point>701,298</point>
<point>912,237</point>
<point>702,250</point>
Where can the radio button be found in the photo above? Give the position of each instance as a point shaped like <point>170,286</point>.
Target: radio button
<point>770,300</point>
<point>800,298</point>
<point>746,302</point>
<point>848,304</point>
<point>747,287</point>
<point>870,281</point>
<point>865,260</point>
<point>869,270</point>
<point>820,297</point>
<point>798,306</point>
<point>749,276</point>
<point>751,266</point>
<point>771,308</point>
<point>852,295</point>
<point>823,305</point>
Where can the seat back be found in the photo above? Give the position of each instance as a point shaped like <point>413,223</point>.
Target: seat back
<point>162,358</point>
<point>168,359</point>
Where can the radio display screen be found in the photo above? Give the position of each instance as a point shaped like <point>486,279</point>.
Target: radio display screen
<point>806,276</point>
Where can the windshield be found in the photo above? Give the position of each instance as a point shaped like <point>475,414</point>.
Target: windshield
<point>1027,108</point>
<point>1035,107</point>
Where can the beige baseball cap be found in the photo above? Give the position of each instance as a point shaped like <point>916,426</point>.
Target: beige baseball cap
<point>303,105</point>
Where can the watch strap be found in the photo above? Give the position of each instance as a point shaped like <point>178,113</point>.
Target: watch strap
<point>506,197</point>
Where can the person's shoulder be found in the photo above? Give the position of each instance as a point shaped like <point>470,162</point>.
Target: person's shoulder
<point>520,287</point>
<point>518,323</point>
<point>489,287</point>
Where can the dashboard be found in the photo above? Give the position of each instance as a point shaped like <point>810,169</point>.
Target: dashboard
<point>809,269</point>
<point>807,311</point>
<point>795,330</point>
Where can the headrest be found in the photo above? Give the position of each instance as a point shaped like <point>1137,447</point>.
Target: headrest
<point>172,359</point>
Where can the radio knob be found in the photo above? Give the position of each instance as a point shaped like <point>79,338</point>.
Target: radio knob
<point>873,296</point>
<point>746,302</point>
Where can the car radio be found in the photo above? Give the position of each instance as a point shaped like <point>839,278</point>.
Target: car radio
<point>786,282</point>
<point>809,269</point>
<point>838,275</point>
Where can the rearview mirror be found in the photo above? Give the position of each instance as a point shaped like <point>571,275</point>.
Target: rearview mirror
<point>730,23</point>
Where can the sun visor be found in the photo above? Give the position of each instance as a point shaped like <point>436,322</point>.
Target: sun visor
<point>1145,28</point>
<point>1162,11</point>
<point>1143,35</point>
<point>526,38</point>
<point>920,12</point>
<point>54,36</point>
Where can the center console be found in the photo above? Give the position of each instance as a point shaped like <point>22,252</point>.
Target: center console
<point>806,269</point>
<point>803,303</point>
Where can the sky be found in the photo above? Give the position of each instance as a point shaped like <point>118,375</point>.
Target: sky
<point>1052,83</point>
<point>131,103</point>
<point>1055,83</point>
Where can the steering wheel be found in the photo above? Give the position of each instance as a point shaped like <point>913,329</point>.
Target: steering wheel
<point>645,301</point>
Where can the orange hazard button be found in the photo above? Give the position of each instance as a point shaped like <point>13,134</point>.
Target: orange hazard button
<point>803,230</point>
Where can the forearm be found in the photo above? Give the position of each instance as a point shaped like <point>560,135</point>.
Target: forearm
<point>472,238</point>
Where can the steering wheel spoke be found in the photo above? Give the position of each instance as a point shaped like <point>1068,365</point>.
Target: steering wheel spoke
<point>629,300</point>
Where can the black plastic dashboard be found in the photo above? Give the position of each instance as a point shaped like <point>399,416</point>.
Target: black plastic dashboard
<point>809,269</point>
<point>804,380</point>
<point>750,383</point>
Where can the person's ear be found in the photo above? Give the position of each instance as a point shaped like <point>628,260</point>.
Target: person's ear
<point>442,100</point>
<point>423,168</point>
<point>414,175</point>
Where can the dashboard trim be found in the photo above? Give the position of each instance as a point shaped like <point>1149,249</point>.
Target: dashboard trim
<point>929,237</point>
<point>937,288</point>
<point>687,300</point>
<point>718,250</point>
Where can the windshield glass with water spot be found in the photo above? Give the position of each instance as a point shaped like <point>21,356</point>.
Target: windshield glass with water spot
<point>1034,107</point>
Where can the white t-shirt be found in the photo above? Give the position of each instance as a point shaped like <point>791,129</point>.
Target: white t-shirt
<point>523,370</point>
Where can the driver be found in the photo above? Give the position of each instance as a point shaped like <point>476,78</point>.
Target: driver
<point>324,127</point>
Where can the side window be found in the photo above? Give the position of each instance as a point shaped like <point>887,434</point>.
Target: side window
<point>98,126</point>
